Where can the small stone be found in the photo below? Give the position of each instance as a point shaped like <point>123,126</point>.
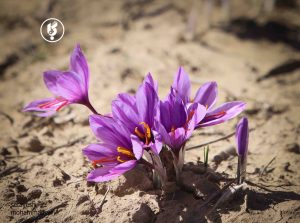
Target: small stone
<point>88,209</point>
<point>82,199</point>
<point>35,145</point>
<point>144,214</point>
<point>57,182</point>
<point>34,193</point>
<point>21,188</point>
<point>9,193</point>
<point>21,199</point>
<point>5,152</point>
<point>294,148</point>
<point>31,143</point>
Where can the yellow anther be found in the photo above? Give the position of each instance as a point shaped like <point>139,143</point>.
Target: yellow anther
<point>147,128</point>
<point>138,133</point>
<point>125,151</point>
<point>147,135</point>
<point>120,160</point>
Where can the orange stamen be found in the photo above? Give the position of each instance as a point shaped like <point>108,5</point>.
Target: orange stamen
<point>145,136</point>
<point>125,152</point>
<point>120,160</point>
<point>147,128</point>
<point>138,133</point>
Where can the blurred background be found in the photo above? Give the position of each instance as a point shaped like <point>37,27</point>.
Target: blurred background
<point>251,48</point>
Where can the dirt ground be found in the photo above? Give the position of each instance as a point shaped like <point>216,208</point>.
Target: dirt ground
<point>254,57</point>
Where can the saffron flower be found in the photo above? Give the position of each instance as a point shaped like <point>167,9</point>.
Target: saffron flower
<point>206,95</point>
<point>177,122</point>
<point>68,87</point>
<point>242,136</point>
<point>139,113</point>
<point>118,151</point>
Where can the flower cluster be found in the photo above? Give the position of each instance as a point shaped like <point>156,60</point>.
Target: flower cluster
<point>141,129</point>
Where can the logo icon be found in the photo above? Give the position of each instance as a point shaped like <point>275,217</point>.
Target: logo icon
<point>52,30</point>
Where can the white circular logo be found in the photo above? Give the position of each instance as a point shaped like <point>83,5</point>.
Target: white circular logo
<point>52,30</point>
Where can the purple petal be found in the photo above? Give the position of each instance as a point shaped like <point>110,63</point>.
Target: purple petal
<point>207,94</point>
<point>101,174</point>
<point>98,151</point>
<point>123,167</point>
<point>164,134</point>
<point>71,87</point>
<point>110,131</point>
<point>109,173</point>
<point>137,147</point>
<point>78,64</point>
<point>44,111</point>
<point>50,79</point>
<point>173,113</point>
<point>198,112</point>
<point>223,113</point>
<point>242,136</point>
<point>34,105</point>
<point>165,115</point>
<point>127,99</point>
<point>124,109</point>
<point>157,145</point>
<point>149,79</point>
<point>147,103</point>
<point>178,137</point>
<point>182,85</point>
<point>178,112</point>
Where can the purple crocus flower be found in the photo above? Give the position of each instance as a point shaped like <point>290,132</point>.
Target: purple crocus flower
<point>206,95</point>
<point>118,152</point>
<point>242,136</point>
<point>177,121</point>
<point>68,87</point>
<point>140,112</point>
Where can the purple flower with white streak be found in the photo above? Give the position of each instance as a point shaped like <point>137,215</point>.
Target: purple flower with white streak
<point>68,87</point>
<point>140,112</point>
<point>118,151</point>
<point>206,96</point>
<point>242,136</point>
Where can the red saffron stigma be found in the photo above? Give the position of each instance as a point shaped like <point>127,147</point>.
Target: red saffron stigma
<point>54,102</point>
<point>217,115</point>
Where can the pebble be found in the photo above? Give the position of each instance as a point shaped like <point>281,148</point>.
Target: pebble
<point>34,193</point>
<point>9,193</point>
<point>82,199</point>
<point>57,182</point>
<point>21,199</point>
<point>294,148</point>
<point>21,188</point>
<point>143,215</point>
